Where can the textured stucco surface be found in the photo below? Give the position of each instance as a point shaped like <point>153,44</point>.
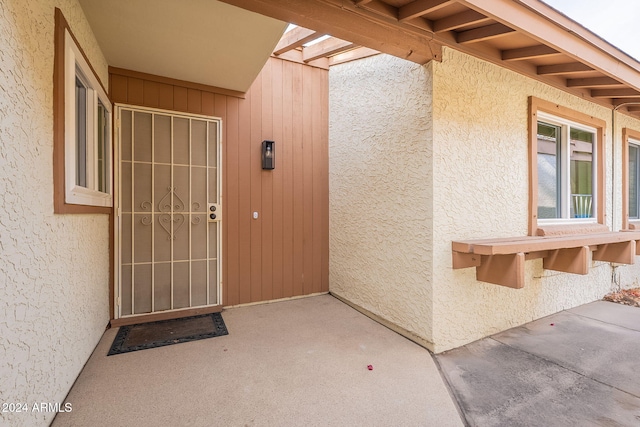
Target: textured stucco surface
<point>455,168</point>
<point>380,189</point>
<point>54,269</point>
<point>624,276</point>
<point>480,191</point>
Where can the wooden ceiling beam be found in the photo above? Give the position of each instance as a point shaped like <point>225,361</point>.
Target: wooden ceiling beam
<point>295,38</point>
<point>365,27</point>
<point>615,93</point>
<point>458,20</point>
<point>345,20</point>
<point>568,68</point>
<point>420,7</point>
<point>529,52</point>
<point>593,82</point>
<point>325,48</point>
<point>483,33</point>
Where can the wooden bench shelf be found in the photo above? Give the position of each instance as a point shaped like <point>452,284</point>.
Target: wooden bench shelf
<point>501,261</point>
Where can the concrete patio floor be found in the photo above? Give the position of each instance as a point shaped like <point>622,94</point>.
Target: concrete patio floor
<point>293,363</point>
<point>304,362</point>
<point>579,367</point>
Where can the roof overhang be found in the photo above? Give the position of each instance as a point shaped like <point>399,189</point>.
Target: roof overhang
<point>526,36</point>
<point>199,41</point>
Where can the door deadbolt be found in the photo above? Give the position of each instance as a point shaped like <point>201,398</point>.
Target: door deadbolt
<point>214,212</point>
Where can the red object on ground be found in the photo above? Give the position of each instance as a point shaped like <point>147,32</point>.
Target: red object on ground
<point>553,324</point>
<point>370,367</point>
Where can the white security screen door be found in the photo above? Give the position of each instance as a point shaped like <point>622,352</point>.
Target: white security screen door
<point>168,211</point>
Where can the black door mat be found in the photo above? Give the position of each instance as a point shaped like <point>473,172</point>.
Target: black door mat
<point>167,332</point>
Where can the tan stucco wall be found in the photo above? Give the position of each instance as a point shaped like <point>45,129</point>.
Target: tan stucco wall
<point>625,276</point>
<point>54,269</point>
<point>455,167</point>
<point>480,191</point>
<point>380,190</point>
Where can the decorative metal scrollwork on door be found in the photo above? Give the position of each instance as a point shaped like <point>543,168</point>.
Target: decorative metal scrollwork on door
<point>146,220</point>
<point>171,203</point>
<point>195,220</point>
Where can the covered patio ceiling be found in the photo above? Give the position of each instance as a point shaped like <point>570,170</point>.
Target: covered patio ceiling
<point>199,41</point>
<point>526,36</point>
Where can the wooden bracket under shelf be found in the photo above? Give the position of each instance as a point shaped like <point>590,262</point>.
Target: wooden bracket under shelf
<point>501,261</point>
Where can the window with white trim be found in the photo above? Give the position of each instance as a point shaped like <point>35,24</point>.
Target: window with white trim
<point>634,178</point>
<point>567,172</point>
<point>87,111</point>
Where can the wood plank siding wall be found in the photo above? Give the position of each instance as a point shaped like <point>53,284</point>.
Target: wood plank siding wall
<point>285,252</point>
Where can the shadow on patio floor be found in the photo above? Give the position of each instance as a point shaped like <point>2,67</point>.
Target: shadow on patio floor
<point>579,367</point>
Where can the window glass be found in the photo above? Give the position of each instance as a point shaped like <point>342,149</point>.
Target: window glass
<point>548,168</point>
<point>581,156</point>
<point>81,133</point>
<point>565,162</point>
<point>103,149</point>
<point>634,151</point>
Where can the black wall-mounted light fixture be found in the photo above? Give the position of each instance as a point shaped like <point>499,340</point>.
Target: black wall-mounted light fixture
<point>268,155</point>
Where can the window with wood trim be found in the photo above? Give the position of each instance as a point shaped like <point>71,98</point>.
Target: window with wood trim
<point>82,136</point>
<point>631,178</point>
<point>566,166</point>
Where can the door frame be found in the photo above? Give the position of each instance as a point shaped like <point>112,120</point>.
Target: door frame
<point>117,318</point>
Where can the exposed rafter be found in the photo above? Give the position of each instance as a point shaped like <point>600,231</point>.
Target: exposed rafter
<point>295,38</point>
<point>381,8</point>
<point>615,93</point>
<point>593,82</point>
<point>622,101</point>
<point>309,47</point>
<point>420,8</point>
<point>352,55</point>
<point>525,36</point>
<point>421,24</point>
<point>484,33</point>
<point>459,20</point>
<point>325,48</point>
<point>568,68</point>
<point>528,52</point>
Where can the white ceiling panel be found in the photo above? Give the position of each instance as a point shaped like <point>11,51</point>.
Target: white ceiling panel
<point>200,41</point>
